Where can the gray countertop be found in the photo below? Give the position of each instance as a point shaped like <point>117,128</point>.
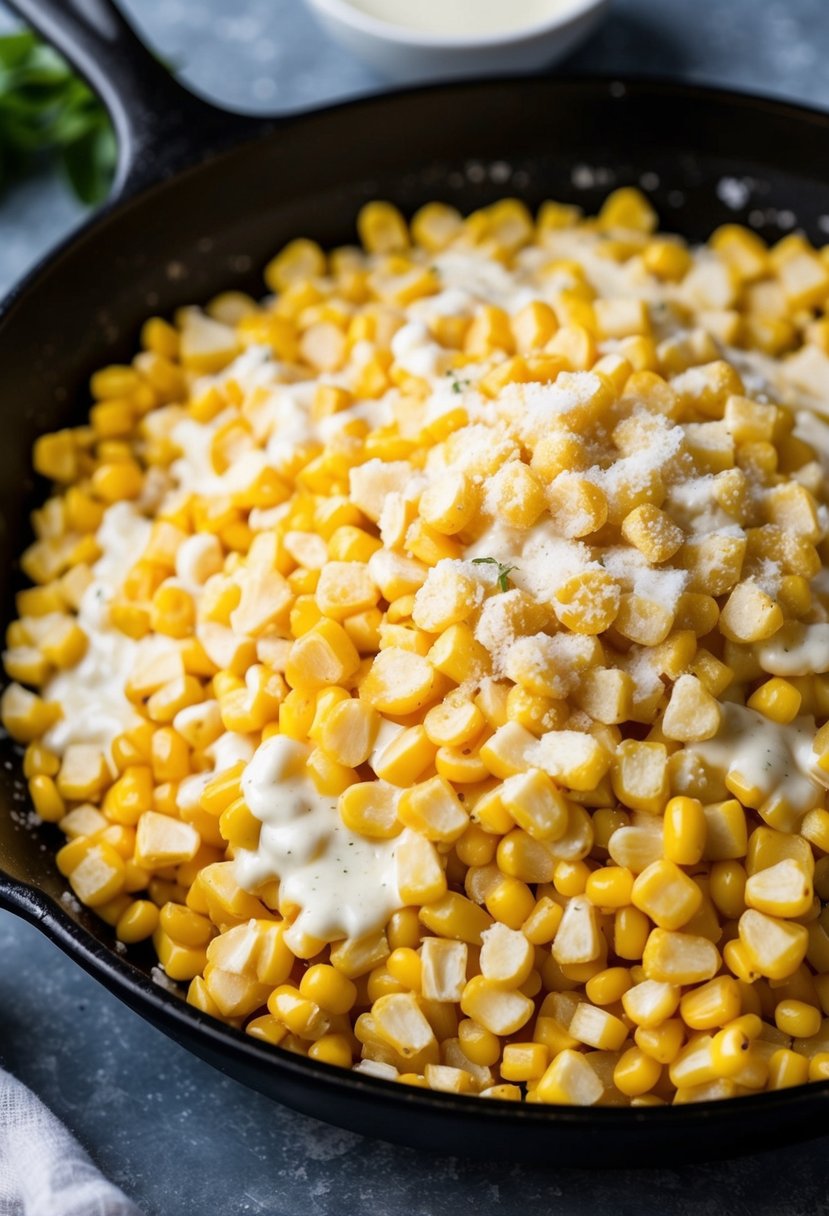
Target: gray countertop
<point>181,1139</point>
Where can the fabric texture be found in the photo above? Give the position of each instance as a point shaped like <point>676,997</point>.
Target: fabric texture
<point>43,1169</point>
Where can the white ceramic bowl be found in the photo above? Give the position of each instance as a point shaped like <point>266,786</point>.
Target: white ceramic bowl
<point>406,54</point>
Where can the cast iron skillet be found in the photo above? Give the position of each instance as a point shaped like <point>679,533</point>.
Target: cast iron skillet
<point>202,199</point>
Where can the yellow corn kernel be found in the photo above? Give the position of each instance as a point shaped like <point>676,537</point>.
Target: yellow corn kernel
<point>569,1081</point>
<point>627,208</point>
<point>666,894</point>
<point>652,532</point>
<point>685,831</point>
<point>138,922</point>
<point>533,802</point>
<point>693,1065</point>
<point>40,761</point>
<point>610,887</point>
<point>399,682</point>
<point>433,809</point>
<point>588,603</point>
<point>302,1017</point>
<point>420,875</point>
<point>46,798</point>
<point>797,1018</point>
<point>99,874</point>
<point>712,1004</point>
<point>162,841</point>
<point>787,1068</point>
<point>451,724</point>
<point>328,988</point>
<point>498,1010</point>
<point>784,889</point>
<point>184,926</point>
<point>524,1061</point>
<point>777,699</point>
<point>510,901</point>
<point>692,713</point>
<point>452,915</point>
<point>661,1042</point>
<point>370,809</point>
<point>347,732</point>
<point>330,1049</point>
<point>382,228</point>
<point>776,948</point>
<point>597,1027</point>
<point>403,759</point>
<point>299,261</point>
<point>639,775</point>
<point>679,958</point>
<point>64,644</point>
<point>324,655</point>
<point>404,964</point>
<point>25,716</point>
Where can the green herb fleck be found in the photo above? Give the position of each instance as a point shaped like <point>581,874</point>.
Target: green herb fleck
<point>504,570</point>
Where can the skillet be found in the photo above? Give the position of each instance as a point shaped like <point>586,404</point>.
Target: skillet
<point>202,199</point>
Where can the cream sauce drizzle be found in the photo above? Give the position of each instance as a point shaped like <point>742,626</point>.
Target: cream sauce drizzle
<point>796,650</point>
<point>91,694</point>
<point>776,763</point>
<point>345,885</point>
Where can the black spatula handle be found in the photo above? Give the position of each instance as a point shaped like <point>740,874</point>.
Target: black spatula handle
<point>161,127</point>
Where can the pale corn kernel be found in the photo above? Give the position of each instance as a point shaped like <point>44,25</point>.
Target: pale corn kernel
<point>577,506</point>
<point>434,810</point>
<point>399,682</point>
<point>639,775</point>
<point>784,889</point>
<point>692,714</point>
<point>750,614</point>
<point>569,1081</point>
<point>501,1011</point>
<point>636,846</point>
<point>578,937</point>
<point>597,1028</point>
<point>679,958</point>
<point>775,947</point>
<point>507,956</point>
<point>420,875</point>
<point>588,603</point>
<point>443,969</point>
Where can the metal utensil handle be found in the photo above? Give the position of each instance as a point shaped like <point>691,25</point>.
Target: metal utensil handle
<point>160,126</point>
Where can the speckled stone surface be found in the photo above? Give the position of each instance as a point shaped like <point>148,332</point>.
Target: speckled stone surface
<point>181,1139</point>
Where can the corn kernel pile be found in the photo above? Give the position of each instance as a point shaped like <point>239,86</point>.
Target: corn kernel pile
<point>508,535</point>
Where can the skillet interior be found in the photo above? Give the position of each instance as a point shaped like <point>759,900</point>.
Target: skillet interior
<point>213,228</point>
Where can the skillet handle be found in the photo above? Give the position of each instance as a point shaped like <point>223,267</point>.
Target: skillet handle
<point>160,126</point>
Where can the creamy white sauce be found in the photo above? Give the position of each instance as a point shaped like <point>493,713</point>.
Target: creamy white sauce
<point>228,749</point>
<point>95,707</point>
<point>462,17</point>
<point>345,885</point>
<point>775,761</point>
<point>796,650</point>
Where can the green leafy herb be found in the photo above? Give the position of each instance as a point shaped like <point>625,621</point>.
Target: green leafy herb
<point>504,571</point>
<point>47,111</point>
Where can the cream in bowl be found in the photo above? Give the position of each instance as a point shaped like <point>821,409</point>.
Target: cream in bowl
<point>436,39</point>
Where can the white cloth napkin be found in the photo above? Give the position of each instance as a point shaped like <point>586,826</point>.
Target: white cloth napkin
<point>43,1169</point>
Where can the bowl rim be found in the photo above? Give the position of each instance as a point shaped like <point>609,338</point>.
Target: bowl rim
<point>347,14</point>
